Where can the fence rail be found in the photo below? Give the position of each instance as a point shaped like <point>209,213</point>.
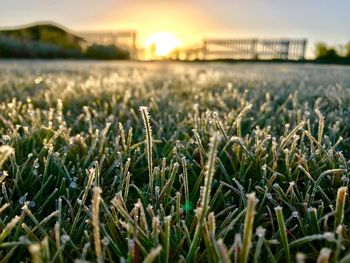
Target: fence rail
<point>235,48</point>
<point>253,48</point>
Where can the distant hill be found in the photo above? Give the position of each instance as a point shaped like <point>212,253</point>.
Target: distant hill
<point>47,40</point>
<point>45,33</point>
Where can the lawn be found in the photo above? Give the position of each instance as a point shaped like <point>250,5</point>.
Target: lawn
<point>162,162</point>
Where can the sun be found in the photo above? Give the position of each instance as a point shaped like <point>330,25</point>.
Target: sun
<point>162,43</point>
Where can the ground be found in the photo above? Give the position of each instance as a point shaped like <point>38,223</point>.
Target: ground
<point>174,162</point>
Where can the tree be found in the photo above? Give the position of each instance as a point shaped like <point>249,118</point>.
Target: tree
<point>347,50</point>
<point>96,51</point>
<point>325,53</point>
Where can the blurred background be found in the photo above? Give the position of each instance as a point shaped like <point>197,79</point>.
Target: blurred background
<point>178,30</point>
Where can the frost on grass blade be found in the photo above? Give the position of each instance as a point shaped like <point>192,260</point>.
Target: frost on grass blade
<point>149,142</point>
<point>5,152</point>
<point>205,197</point>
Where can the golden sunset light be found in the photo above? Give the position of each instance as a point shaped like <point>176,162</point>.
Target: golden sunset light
<point>175,131</point>
<point>162,43</point>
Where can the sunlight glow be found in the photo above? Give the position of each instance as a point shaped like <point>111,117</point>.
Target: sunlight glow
<point>162,43</point>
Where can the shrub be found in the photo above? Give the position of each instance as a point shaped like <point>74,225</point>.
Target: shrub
<point>96,51</point>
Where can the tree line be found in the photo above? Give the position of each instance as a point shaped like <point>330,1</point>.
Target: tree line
<point>13,48</point>
<point>332,54</point>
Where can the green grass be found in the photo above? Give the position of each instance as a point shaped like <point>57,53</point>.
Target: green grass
<point>193,164</point>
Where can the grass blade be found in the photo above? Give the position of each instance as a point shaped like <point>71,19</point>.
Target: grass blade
<point>283,232</point>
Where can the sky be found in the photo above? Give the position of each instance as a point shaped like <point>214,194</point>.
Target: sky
<point>191,20</point>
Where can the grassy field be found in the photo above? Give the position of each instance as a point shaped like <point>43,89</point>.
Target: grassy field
<point>161,162</point>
